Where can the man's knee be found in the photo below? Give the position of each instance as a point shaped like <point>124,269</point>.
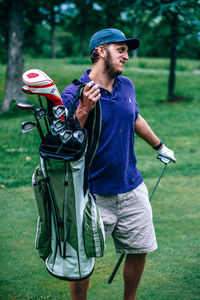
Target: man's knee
<point>136,257</point>
<point>79,289</point>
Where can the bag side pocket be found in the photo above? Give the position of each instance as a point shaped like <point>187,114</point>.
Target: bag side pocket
<point>93,230</point>
<point>43,232</point>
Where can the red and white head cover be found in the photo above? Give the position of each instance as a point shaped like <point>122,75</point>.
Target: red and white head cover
<point>37,82</point>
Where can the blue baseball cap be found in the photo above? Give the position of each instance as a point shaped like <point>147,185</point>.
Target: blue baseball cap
<point>111,35</point>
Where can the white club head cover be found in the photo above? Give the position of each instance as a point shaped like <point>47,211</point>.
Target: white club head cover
<point>27,90</point>
<point>37,82</point>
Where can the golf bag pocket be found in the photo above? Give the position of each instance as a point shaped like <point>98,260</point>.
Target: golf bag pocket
<point>43,233</point>
<point>93,229</point>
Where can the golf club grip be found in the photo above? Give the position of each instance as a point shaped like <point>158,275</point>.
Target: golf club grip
<point>116,268</point>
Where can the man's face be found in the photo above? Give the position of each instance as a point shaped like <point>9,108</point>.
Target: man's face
<point>117,55</point>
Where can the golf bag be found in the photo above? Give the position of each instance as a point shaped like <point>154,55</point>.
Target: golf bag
<point>70,232</point>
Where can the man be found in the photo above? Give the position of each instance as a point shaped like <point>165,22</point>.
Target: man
<point>121,194</point>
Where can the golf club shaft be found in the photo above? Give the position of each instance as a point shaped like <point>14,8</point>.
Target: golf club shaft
<point>45,119</point>
<point>123,254</point>
<point>155,187</point>
<point>116,268</point>
<point>39,127</point>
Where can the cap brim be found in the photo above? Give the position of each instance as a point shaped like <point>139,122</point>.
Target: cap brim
<point>132,43</point>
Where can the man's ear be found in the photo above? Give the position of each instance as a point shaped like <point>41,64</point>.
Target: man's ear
<point>102,51</point>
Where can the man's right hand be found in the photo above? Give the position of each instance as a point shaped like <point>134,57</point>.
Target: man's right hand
<point>91,94</point>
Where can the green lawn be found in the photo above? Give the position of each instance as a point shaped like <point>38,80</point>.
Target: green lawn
<point>173,271</point>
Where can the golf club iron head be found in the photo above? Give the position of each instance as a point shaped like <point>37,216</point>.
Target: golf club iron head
<point>78,136</point>
<point>52,129</point>
<point>65,136</point>
<point>41,113</point>
<point>58,125</point>
<point>59,111</point>
<point>28,126</point>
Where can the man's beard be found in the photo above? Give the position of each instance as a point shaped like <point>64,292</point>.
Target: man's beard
<point>109,66</point>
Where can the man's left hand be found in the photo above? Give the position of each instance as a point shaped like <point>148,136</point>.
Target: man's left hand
<point>166,152</point>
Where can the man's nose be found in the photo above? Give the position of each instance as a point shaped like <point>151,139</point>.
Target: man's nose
<point>126,56</point>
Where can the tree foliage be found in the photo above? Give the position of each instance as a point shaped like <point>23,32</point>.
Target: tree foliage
<point>180,18</point>
<point>58,28</point>
<point>63,28</point>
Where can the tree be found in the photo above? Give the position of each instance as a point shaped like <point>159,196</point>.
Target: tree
<point>15,54</point>
<point>23,16</point>
<point>51,12</point>
<point>83,19</point>
<point>182,18</point>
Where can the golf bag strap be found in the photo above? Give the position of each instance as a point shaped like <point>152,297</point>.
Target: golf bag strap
<point>72,109</point>
<point>78,94</point>
<point>93,123</point>
<point>93,127</point>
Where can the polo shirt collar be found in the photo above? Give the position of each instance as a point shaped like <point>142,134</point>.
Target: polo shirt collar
<point>85,77</point>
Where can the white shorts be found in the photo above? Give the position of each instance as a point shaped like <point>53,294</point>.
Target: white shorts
<point>128,218</point>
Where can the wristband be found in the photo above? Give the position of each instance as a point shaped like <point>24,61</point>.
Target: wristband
<point>158,146</point>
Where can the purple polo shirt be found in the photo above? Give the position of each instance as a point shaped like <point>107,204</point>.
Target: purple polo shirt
<point>113,169</point>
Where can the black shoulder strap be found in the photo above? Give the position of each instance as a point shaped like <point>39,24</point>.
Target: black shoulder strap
<point>72,109</point>
<point>93,127</point>
<point>93,123</point>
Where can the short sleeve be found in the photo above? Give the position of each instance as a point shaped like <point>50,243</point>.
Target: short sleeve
<point>136,111</point>
<point>67,97</point>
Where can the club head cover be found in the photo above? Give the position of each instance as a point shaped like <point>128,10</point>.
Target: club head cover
<point>37,82</point>
<point>26,90</point>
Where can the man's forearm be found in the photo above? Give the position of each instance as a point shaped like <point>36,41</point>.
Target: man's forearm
<point>143,130</point>
<point>82,116</point>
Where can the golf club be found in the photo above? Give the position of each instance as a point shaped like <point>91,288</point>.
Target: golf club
<point>29,126</point>
<point>41,84</point>
<point>165,161</point>
<point>27,90</point>
<point>41,113</point>
<point>65,136</point>
<point>29,106</point>
<point>78,136</point>
<point>58,125</point>
<point>59,111</point>
<point>45,119</point>
<point>52,129</point>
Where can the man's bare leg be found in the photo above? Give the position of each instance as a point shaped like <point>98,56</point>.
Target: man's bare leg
<point>133,269</point>
<point>79,289</point>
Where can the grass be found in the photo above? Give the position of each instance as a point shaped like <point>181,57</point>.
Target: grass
<point>172,272</point>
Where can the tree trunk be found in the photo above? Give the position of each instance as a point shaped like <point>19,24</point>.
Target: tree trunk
<point>53,38</point>
<point>82,46</point>
<point>135,52</point>
<point>15,63</point>
<point>173,56</point>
